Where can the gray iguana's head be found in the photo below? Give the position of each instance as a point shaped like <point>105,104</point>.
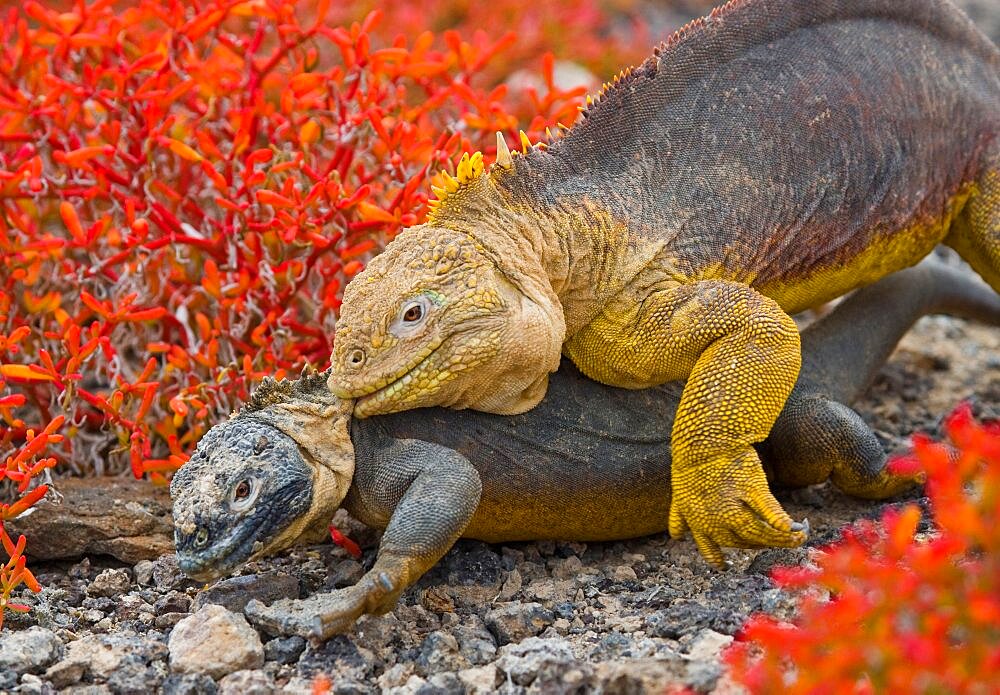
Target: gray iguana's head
<point>270,476</point>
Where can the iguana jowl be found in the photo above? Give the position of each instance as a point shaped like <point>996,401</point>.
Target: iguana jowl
<point>591,462</point>
<point>767,158</point>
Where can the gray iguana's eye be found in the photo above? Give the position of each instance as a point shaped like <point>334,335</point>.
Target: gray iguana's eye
<point>244,494</point>
<point>412,315</point>
<point>201,538</point>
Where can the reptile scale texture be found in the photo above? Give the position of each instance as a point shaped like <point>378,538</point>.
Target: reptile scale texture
<point>767,158</point>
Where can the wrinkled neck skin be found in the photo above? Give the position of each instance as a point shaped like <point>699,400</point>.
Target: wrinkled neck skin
<point>322,431</point>
<point>570,258</point>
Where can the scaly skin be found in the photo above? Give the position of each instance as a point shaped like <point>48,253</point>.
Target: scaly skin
<point>768,158</point>
<point>591,462</point>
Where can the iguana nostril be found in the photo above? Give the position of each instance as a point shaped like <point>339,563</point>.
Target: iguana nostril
<point>356,358</point>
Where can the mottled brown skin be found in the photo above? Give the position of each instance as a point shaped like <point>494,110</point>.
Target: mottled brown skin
<point>768,158</point>
<point>591,462</point>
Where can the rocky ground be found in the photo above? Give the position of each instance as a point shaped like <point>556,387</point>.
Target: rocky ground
<point>628,617</point>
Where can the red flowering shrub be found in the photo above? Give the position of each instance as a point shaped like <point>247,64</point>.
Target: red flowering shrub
<point>887,610</point>
<point>185,188</point>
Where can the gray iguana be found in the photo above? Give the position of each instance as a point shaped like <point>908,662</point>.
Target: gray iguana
<point>767,158</point>
<point>591,462</point>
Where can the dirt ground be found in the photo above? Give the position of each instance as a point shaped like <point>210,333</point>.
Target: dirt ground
<point>624,617</point>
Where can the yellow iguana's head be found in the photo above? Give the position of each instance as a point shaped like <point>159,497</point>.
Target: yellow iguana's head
<point>434,320</point>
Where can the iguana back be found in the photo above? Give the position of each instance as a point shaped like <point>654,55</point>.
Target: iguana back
<point>786,144</point>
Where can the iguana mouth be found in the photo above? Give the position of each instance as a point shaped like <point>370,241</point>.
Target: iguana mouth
<point>390,392</point>
<point>226,556</point>
<point>345,389</point>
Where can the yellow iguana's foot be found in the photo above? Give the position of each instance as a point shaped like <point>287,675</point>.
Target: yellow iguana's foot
<point>728,503</point>
<point>321,616</point>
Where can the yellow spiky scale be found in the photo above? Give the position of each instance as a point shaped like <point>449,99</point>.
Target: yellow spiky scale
<point>439,191</point>
<point>504,160</point>
<point>590,100</point>
<point>525,143</point>
<point>476,165</point>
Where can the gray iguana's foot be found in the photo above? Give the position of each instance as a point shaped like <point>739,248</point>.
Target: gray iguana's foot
<point>816,438</point>
<point>323,615</point>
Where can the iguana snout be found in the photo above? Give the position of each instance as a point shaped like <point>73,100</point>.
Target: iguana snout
<point>245,485</point>
<point>434,321</point>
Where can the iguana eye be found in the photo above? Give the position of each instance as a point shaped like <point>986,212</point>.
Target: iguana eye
<point>201,538</point>
<point>244,494</point>
<point>411,315</point>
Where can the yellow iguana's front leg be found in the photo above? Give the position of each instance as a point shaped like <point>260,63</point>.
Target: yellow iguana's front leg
<point>740,353</point>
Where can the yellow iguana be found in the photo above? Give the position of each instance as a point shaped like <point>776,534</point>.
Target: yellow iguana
<point>765,159</point>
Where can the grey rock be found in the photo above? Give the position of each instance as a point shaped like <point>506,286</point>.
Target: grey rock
<point>105,604</point>
<point>236,592</point>
<point>353,687</point>
<point>480,680</point>
<point>167,575</point>
<point>344,573</point>
<point>110,583</point>
<point>471,574</point>
<point>766,560</point>
<point>547,665</point>
<point>703,675</point>
<point>173,602</point>
<point>247,683</point>
<point>639,675</point>
<point>688,617</point>
<point>284,650</point>
<point>708,645</point>
<point>32,685</point>
<point>189,684</point>
<point>88,689</point>
<point>131,606</point>
<point>216,642</point>
<point>134,676</point>
<point>512,622</point>
<point>143,571</point>
<point>127,519</point>
<point>442,684</point>
<point>340,659</point>
<point>475,642</point>
<point>29,651</point>
<point>65,673</point>
<point>8,678</point>
<point>101,655</point>
<point>439,652</point>
<point>168,620</point>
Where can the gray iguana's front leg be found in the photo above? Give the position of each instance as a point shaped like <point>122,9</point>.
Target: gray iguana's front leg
<point>427,493</point>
